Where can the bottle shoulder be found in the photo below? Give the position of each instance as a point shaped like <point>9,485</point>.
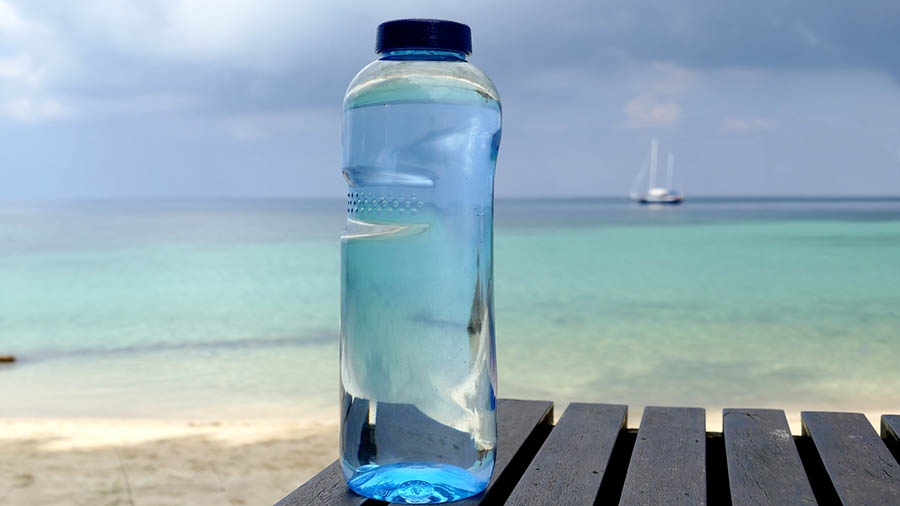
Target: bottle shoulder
<point>385,81</point>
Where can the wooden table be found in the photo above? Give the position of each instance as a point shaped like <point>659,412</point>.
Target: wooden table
<point>590,457</point>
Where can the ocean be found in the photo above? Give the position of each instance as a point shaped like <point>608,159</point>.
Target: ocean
<point>218,309</point>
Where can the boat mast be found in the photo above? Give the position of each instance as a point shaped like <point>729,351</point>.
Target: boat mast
<point>654,148</point>
<point>670,167</point>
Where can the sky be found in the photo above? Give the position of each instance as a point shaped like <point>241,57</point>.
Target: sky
<point>242,98</point>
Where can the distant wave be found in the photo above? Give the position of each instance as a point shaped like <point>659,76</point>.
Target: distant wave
<point>41,355</point>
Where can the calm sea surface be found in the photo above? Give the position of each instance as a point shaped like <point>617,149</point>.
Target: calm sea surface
<point>230,308</point>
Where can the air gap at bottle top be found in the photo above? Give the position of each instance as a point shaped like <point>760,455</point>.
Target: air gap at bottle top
<point>421,131</point>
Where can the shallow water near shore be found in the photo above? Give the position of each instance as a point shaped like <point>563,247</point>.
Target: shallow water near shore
<point>229,309</point>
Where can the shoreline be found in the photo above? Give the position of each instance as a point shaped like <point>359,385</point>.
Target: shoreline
<point>169,461</point>
<point>87,431</point>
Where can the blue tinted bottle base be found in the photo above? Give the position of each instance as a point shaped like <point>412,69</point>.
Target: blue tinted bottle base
<point>415,483</point>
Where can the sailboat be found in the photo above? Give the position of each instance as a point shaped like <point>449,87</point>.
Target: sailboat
<point>656,194</point>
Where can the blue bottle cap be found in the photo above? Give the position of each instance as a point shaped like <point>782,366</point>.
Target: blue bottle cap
<point>423,34</point>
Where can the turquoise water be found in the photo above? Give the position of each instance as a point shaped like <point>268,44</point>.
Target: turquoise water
<point>231,308</point>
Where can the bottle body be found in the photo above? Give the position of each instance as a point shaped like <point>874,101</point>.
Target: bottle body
<point>418,373</point>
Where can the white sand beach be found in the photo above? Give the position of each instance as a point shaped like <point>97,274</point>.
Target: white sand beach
<point>107,462</point>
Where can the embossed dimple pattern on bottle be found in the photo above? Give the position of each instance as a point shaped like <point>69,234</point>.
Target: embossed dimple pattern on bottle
<point>371,202</point>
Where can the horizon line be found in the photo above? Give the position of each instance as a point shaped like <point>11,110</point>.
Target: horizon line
<point>700,197</point>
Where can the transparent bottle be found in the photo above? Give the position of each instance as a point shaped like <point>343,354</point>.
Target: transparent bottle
<point>421,131</point>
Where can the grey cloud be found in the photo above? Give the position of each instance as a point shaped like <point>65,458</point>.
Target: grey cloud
<point>768,34</point>
<point>158,98</point>
<point>309,66</point>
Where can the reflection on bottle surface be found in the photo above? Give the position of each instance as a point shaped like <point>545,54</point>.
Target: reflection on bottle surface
<point>418,375</point>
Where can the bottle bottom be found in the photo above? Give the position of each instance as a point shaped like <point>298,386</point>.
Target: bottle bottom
<point>414,482</point>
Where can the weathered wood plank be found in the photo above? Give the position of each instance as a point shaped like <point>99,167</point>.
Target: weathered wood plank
<point>521,428</point>
<point>890,433</point>
<point>668,464</point>
<point>327,488</point>
<point>858,463</point>
<point>764,467</point>
<point>572,461</point>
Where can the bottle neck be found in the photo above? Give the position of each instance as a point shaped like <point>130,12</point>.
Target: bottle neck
<point>423,55</point>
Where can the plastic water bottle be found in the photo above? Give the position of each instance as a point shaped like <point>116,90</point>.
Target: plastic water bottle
<point>418,370</point>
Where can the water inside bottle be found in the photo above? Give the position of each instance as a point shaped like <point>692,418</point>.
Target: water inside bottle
<point>417,368</point>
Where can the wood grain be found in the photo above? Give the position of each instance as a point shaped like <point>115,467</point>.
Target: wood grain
<point>764,468</point>
<point>668,464</point>
<point>324,489</point>
<point>858,463</point>
<point>571,464</point>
